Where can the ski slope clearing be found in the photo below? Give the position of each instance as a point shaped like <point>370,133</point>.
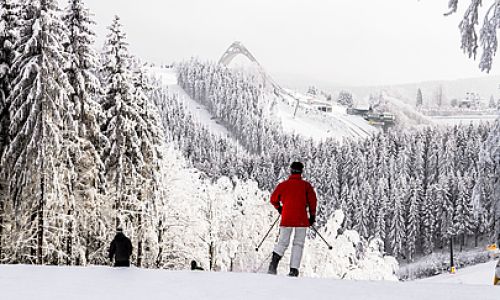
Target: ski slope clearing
<point>44,282</point>
<point>481,274</point>
<point>311,123</point>
<point>200,113</point>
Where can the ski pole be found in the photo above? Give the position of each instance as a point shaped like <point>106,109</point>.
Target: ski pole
<point>315,230</point>
<point>262,263</point>
<point>269,231</point>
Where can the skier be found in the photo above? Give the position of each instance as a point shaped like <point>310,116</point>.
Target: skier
<point>291,199</point>
<point>120,249</point>
<point>496,279</point>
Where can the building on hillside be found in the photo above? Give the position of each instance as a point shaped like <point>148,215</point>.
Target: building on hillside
<point>471,100</point>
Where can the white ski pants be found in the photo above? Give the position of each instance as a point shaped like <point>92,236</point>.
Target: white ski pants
<point>297,247</point>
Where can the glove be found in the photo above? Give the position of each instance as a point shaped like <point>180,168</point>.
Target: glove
<point>312,220</point>
<point>279,209</point>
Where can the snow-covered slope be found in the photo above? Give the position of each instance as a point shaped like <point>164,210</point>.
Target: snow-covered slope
<point>168,78</point>
<point>308,122</point>
<point>47,283</point>
<point>312,123</point>
<point>481,274</point>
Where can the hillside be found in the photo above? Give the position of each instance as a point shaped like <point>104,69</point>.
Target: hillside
<point>168,78</point>
<point>308,122</point>
<point>47,283</point>
<point>485,86</point>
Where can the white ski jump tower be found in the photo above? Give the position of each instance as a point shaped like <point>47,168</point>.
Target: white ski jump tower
<point>237,48</point>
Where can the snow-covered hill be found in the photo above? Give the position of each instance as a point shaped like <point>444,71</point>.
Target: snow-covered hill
<point>311,123</point>
<point>168,78</point>
<point>47,283</point>
<point>308,122</point>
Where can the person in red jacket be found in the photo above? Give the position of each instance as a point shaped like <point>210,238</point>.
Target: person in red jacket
<point>293,198</point>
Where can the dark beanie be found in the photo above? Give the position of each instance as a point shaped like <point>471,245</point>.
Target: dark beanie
<point>296,167</point>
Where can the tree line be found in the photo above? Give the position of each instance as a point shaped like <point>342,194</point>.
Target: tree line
<point>415,189</point>
<point>81,140</point>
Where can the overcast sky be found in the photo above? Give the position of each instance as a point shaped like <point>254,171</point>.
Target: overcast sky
<point>363,42</point>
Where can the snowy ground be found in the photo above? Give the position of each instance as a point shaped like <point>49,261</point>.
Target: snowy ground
<point>44,283</point>
<point>311,123</point>
<point>481,274</point>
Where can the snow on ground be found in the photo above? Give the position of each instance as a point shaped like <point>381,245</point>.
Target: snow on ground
<point>311,123</point>
<point>200,113</point>
<point>481,274</point>
<point>47,283</point>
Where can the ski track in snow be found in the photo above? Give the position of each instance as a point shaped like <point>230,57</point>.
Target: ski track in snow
<point>25,282</point>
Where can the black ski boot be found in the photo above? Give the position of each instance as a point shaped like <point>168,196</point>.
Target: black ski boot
<point>273,266</point>
<point>293,272</point>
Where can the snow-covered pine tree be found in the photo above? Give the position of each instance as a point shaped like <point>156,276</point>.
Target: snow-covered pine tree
<point>345,98</point>
<point>123,157</point>
<point>463,221</point>
<point>84,185</point>
<point>9,36</point>
<point>364,200</point>
<point>491,156</point>
<point>9,26</point>
<point>397,233</point>
<point>413,218</point>
<point>382,206</point>
<point>428,222</point>
<point>492,104</point>
<point>151,135</point>
<point>439,96</point>
<point>419,98</point>
<point>37,100</point>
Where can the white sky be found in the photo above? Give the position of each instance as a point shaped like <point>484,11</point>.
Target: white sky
<point>355,42</point>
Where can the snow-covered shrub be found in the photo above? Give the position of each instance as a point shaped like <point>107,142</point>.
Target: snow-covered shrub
<point>350,258</point>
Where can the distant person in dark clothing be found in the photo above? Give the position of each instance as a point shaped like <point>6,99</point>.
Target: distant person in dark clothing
<point>195,267</point>
<point>120,249</point>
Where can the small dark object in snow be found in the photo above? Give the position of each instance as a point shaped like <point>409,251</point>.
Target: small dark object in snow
<point>195,267</point>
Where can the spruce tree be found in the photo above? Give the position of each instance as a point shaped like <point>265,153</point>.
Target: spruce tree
<point>85,168</point>
<point>37,102</point>
<point>132,131</point>
<point>492,104</point>
<point>419,98</point>
<point>9,26</point>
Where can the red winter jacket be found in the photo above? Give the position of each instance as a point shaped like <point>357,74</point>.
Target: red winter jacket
<point>295,196</point>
